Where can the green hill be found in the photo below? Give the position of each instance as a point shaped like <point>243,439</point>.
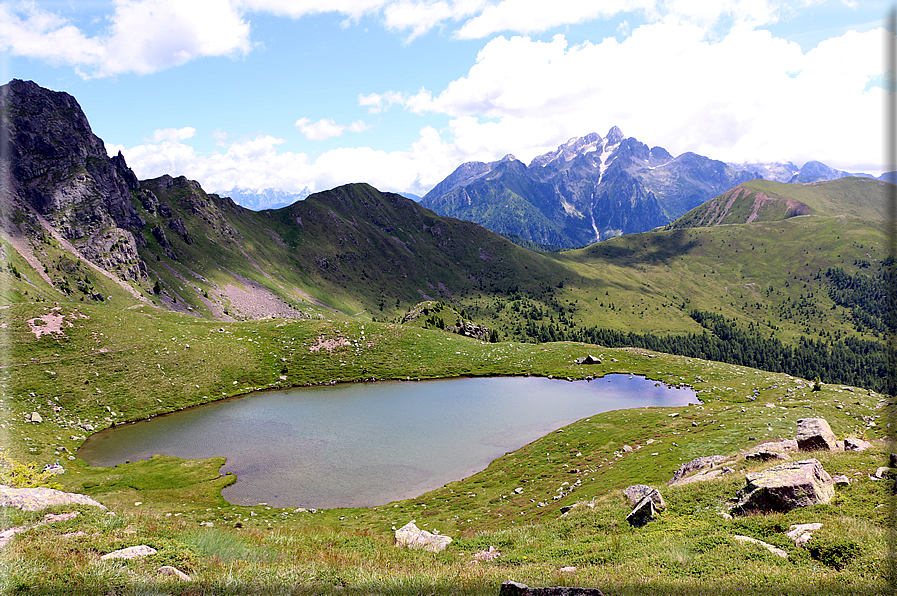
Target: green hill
<point>764,200</point>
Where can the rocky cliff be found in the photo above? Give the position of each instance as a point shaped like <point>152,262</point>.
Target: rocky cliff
<point>57,173</point>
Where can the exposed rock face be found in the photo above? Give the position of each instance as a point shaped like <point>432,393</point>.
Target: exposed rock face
<point>510,588</point>
<point>698,463</point>
<point>35,499</point>
<point>854,444</point>
<point>637,492</point>
<point>59,168</point>
<point>785,487</point>
<point>643,513</point>
<point>132,552</point>
<point>814,434</point>
<point>413,537</point>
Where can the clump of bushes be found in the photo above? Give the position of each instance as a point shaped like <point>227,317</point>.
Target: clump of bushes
<point>836,553</point>
<point>17,474</point>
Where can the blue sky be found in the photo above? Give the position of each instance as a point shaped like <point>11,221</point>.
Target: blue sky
<point>286,94</point>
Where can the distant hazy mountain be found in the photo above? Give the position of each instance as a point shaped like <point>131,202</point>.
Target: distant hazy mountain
<point>589,189</point>
<point>268,198</point>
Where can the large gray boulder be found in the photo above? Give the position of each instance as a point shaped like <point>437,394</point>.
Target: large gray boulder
<point>643,513</point>
<point>35,499</point>
<point>637,492</point>
<point>411,536</point>
<point>785,487</point>
<point>815,434</point>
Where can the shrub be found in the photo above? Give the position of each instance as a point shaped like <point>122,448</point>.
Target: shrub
<point>24,475</point>
<point>836,553</point>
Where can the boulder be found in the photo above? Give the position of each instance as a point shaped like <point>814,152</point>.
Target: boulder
<point>785,487</point>
<point>132,552</point>
<point>510,588</point>
<point>637,492</point>
<point>413,537</point>
<point>35,499</point>
<point>589,359</point>
<point>643,513</point>
<point>699,463</point>
<point>854,444</point>
<point>815,434</point>
<point>33,417</point>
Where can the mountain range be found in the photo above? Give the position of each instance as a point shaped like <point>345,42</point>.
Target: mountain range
<point>79,225</point>
<point>593,188</point>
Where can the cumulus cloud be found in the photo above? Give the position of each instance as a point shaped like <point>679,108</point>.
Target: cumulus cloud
<point>747,96</point>
<point>327,128</point>
<point>258,163</point>
<point>144,36</point>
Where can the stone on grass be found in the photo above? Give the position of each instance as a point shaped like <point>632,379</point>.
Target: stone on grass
<point>132,552</point>
<point>637,492</point>
<point>698,463</point>
<point>486,555</point>
<point>854,444</point>
<point>785,487</point>
<point>841,480</point>
<point>881,473</point>
<point>765,455</point>
<point>588,360</point>
<point>413,537</point>
<point>33,417</point>
<point>643,513</point>
<point>815,434</point>
<point>510,588</point>
<point>774,550</point>
<point>35,499</point>
<point>801,533</point>
<point>173,572</point>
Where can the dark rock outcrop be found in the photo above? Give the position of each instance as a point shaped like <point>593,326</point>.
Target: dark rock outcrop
<point>510,588</point>
<point>637,492</point>
<point>59,168</point>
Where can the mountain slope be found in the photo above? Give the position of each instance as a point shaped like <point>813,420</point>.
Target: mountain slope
<point>764,200</point>
<point>591,188</point>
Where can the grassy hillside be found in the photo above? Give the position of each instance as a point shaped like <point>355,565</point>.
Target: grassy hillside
<point>765,200</point>
<point>113,365</point>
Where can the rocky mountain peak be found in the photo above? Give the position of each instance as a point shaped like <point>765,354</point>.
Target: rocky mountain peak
<point>60,169</point>
<point>614,135</point>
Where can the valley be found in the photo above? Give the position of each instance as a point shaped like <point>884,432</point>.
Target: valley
<point>121,300</point>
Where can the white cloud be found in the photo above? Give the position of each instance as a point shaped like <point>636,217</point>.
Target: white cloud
<point>172,134</point>
<point>257,163</point>
<point>326,128</point>
<point>667,84</point>
<point>144,36</point>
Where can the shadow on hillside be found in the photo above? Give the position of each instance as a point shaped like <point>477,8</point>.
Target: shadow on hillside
<point>645,249</point>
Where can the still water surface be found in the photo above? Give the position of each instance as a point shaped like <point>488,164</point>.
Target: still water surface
<point>357,445</point>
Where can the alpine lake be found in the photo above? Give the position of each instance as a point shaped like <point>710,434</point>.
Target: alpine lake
<point>367,444</point>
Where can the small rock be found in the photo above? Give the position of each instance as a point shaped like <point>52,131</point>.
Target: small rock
<point>587,360</point>
<point>132,552</point>
<point>173,572</point>
<point>567,569</point>
<point>841,480</point>
<point>413,537</point>
<point>801,533</point>
<point>774,550</point>
<point>881,472</point>
<point>33,417</point>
